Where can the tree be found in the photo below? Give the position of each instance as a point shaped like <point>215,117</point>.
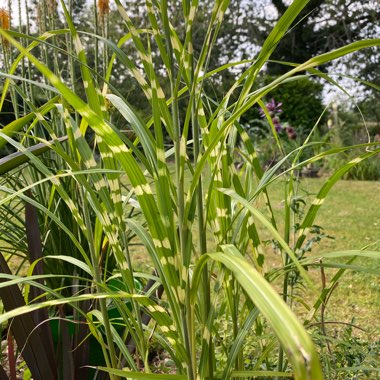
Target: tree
<point>323,26</point>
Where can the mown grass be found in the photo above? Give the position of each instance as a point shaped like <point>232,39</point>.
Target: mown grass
<point>349,213</point>
<point>351,217</point>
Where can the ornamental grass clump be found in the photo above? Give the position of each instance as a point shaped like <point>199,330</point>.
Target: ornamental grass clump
<point>171,187</point>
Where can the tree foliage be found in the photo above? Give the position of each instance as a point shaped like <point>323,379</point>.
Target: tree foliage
<point>323,26</point>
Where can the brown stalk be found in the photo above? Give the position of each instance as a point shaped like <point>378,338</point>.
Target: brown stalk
<point>11,357</point>
<point>324,304</point>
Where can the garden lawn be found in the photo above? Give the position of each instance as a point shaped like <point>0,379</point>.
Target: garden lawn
<point>351,215</point>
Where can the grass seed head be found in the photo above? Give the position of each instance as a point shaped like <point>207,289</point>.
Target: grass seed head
<point>52,6</point>
<point>5,22</point>
<point>103,8</point>
<point>4,19</point>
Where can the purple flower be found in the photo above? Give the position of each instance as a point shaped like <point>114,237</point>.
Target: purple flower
<point>292,135</point>
<point>272,107</point>
<point>277,124</point>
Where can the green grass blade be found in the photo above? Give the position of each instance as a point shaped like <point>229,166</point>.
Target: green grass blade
<point>337,254</point>
<point>323,192</point>
<point>47,212</point>
<point>260,217</point>
<point>137,125</point>
<point>238,344</point>
<point>17,125</point>
<point>249,374</point>
<point>88,83</point>
<point>15,160</point>
<point>280,29</point>
<point>72,260</point>
<point>294,339</point>
<point>69,300</point>
<point>354,268</point>
<point>19,58</point>
<point>270,45</point>
<point>311,63</point>
<point>138,375</point>
<point>122,153</point>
